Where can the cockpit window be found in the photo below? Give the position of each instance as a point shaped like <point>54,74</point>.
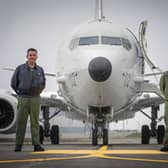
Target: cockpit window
<point>73,44</point>
<point>111,40</point>
<point>89,40</point>
<point>126,44</point>
<point>107,40</point>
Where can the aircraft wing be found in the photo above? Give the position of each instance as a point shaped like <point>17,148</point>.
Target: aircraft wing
<point>50,100</point>
<point>53,102</point>
<point>146,102</point>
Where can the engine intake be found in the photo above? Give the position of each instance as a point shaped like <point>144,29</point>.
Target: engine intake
<point>8,112</point>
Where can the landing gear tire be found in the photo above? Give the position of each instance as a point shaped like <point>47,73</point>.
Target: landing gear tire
<point>54,136</point>
<point>105,136</point>
<point>41,134</point>
<point>160,134</point>
<point>94,137</point>
<point>145,134</point>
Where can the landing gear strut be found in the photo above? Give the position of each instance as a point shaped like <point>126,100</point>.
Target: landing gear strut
<point>147,133</point>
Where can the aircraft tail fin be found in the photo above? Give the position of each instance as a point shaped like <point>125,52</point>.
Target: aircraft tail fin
<point>99,10</point>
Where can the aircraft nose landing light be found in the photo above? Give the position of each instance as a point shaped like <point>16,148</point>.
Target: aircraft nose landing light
<point>100,69</point>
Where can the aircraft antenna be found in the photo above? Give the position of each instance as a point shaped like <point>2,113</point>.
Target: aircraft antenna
<point>99,10</point>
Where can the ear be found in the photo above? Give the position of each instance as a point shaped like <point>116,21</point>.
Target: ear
<point>27,55</point>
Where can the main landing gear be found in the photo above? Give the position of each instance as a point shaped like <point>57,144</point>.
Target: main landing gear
<point>46,131</point>
<point>153,131</point>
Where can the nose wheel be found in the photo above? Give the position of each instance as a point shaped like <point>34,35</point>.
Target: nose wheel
<point>105,136</point>
<point>94,136</point>
<point>99,132</point>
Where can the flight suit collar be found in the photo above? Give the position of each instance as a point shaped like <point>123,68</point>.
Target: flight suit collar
<point>27,66</point>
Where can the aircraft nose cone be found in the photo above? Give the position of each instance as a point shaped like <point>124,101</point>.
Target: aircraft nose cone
<point>100,69</point>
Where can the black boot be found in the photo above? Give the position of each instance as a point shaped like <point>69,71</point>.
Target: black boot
<point>38,148</point>
<point>18,148</point>
<point>164,148</point>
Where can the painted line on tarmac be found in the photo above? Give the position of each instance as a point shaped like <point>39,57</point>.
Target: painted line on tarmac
<point>89,152</point>
<point>103,152</point>
<point>135,159</point>
<point>42,159</point>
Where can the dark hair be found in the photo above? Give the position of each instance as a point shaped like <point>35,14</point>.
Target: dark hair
<point>31,49</point>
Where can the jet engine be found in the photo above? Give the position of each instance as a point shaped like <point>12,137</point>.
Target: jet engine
<point>8,112</point>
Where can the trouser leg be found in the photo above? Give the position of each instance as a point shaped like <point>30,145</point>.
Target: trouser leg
<point>34,118</point>
<point>23,111</point>
<point>166,123</point>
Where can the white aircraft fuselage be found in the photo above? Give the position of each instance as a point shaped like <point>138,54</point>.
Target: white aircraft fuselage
<point>97,65</point>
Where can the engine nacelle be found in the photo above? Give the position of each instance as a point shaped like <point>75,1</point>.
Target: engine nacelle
<point>8,112</point>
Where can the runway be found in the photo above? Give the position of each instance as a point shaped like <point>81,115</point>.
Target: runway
<point>84,155</point>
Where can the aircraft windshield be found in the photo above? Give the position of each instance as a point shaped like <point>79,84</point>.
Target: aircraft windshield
<point>126,44</point>
<point>111,40</point>
<point>107,40</point>
<point>89,40</point>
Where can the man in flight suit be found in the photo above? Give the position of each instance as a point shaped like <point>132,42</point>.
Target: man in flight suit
<point>28,81</point>
<point>164,90</point>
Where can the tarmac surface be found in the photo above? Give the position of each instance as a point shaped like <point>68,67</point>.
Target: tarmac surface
<point>71,155</point>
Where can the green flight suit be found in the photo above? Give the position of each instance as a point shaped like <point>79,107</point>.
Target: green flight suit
<point>164,90</point>
<point>28,106</point>
<point>28,83</point>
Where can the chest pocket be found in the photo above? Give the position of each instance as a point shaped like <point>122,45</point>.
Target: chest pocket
<point>37,78</point>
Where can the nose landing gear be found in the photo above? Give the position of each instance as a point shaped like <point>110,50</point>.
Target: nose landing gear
<point>100,117</point>
<point>99,132</point>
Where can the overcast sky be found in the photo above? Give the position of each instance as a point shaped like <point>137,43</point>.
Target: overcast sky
<point>43,23</point>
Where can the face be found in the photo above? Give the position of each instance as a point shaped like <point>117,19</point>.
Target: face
<point>32,57</point>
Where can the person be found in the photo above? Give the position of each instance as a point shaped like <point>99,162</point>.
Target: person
<point>164,90</point>
<point>28,81</point>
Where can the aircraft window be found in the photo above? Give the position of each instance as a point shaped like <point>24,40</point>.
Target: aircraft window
<point>89,40</point>
<point>111,40</point>
<point>73,44</point>
<point>126,44</point>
